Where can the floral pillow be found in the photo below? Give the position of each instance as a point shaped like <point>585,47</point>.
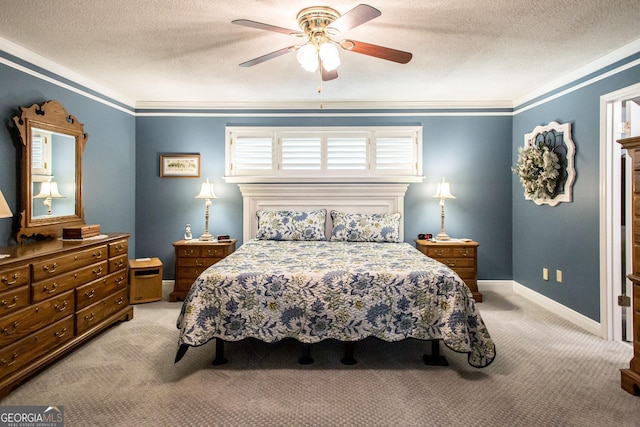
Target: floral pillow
<point>365,227</point>
<point>291,225</point>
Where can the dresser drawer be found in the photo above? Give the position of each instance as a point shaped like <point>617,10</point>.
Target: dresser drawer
<point>14,277</point>
<point>28,320</point>
<point>118,263</point>
<point>46,288</point>
<point>13,299</point>
<point>118,248</point>
<point>20,353</point>
<point>96,313</point>
<point>63,264</point>
<point>99,289</point>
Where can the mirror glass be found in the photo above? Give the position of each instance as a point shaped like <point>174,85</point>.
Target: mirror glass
<point>53,180</point>
<point>51,146</point>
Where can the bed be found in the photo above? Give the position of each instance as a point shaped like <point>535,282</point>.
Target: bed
<point>331,273</point>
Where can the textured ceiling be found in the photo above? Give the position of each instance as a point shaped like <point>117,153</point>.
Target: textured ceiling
<point>187,52</point>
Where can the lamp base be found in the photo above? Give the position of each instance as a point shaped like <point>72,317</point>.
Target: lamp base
<point>443,236</point>
<point>206,237</point>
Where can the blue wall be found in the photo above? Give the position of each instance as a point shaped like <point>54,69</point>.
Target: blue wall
<point>109,158</point>
<point>565,237</point>
<point>472,152</point>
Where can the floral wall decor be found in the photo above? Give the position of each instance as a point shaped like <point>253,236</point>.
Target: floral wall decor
<point>546,164</point>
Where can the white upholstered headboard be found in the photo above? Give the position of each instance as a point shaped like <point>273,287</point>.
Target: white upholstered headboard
<point>350,198</point>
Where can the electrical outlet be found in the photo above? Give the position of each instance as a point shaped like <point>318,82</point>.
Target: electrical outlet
<point>559,276</point>
<point>545,274</point>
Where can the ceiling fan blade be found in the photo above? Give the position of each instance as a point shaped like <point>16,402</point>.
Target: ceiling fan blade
<point>377,51</point>
<point>268,27</point>
<point>268,56</point>
<point>357,16</point>
<point>329,75</point>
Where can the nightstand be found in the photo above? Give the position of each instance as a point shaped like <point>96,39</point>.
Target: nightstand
<point>192,258</point>
<point>461,257</point>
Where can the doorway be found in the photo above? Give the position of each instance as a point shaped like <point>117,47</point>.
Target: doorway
<point>620,118</point>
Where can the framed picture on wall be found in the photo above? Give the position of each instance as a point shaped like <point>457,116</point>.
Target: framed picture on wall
<point>186,165</point>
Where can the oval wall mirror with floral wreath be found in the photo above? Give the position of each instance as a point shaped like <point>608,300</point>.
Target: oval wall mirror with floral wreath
<point>546,164</point>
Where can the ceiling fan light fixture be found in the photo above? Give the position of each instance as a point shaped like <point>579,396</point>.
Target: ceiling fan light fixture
<point>329,56</point>
<point>308,57</point>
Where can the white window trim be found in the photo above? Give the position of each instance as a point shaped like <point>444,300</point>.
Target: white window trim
<point>323,174</point>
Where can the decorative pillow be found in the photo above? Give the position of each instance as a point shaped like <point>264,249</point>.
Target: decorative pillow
<point>365,227</point>
<point>291,225</point>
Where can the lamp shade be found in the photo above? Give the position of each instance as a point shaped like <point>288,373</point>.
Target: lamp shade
<point>329,55</point>
<point>5,211</point>
<point>443,191</point>
<point>48,190</point>
<point>206,191</point>
<point>308,57</point>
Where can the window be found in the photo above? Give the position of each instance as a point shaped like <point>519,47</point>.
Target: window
<point>391,154</point>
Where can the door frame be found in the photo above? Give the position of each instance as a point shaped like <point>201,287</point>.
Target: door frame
<point>610,214</point>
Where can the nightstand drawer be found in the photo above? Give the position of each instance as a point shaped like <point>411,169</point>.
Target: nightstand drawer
<point>456,263</point>
<point>439,252</point>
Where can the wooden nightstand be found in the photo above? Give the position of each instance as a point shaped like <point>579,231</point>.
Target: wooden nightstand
<point>192,258</point>
<point>461,257</point>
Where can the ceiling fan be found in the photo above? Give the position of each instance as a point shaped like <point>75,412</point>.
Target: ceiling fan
<point>318,24</point>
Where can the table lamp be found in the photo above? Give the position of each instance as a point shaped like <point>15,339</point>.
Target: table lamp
<point>206,192</point>
<point>443,191</point>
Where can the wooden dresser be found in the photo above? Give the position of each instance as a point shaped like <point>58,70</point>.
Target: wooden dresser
<point>630,378</point>
<point>53,296</point>
<point>461,257</point>
<point>192,258</point>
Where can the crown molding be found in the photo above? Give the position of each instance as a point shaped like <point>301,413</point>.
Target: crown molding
<point>56,70</point>
<point>580,73</point>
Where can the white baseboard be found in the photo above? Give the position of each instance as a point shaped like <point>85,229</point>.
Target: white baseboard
<point>547,303</point>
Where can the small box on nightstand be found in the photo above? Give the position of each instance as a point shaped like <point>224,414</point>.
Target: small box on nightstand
<point>145,280</point>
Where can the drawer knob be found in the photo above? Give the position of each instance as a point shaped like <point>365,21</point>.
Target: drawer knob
<point>119,301</point>
<point>3,362</point>
<point>62,307</point>
<point>6,331</point>
<point>52,290</point>
<point>12,304</point>
<point>51,269</point>
<point>7,281</point>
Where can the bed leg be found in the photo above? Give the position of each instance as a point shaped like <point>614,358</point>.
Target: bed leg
<point>306,358</point>
<point>348,358</point>
<point>181,352</point>
<point>435,358</point>
<point>220,359</point>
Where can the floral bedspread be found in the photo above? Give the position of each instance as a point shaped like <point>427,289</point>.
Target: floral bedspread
<point>347,291</point>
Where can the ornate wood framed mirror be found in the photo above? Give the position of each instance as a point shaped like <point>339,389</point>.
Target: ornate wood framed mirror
<point>51,147</point>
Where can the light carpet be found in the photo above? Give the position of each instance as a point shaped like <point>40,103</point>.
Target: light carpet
<point>548,372</point>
